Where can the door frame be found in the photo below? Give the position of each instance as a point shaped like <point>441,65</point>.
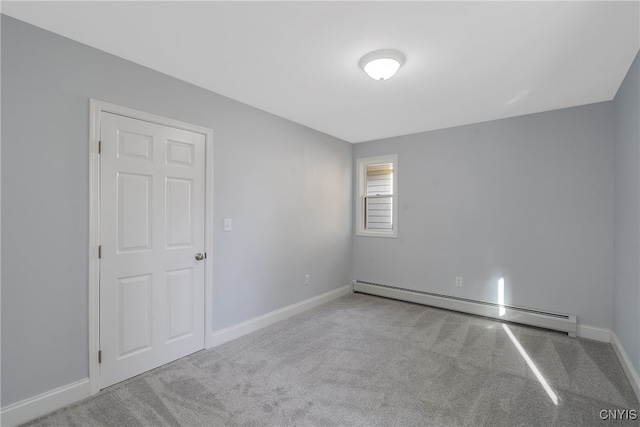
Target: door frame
<point>96,108</point>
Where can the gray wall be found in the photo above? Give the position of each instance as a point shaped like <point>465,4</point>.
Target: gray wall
<point>286,187</point>
<point>528,198</point>
<point>626,317</point>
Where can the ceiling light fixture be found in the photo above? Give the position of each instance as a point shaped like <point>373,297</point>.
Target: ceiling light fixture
<point>382,64</point>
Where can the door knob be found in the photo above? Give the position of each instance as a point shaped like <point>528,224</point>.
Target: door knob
<point>200,256</point>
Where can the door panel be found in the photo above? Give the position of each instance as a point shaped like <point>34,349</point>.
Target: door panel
<point>152,225</point>
<point>180,291</point>
<point>134,315</point>
<point>134,212</point>
<point>179,208</point>
<point>179,154</point>
<point>135,146</point>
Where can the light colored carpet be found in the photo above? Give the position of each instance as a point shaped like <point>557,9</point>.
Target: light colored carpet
<point>369,361</point>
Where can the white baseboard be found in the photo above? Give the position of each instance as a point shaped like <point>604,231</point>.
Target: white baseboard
<point>593,333</point>
<point>34,407</point>
<point>236,331</point>
<point>631,372</point>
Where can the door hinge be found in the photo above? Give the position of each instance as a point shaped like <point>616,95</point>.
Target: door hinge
<point>100,147</point>
<point>99,251</point>
<point>99,356</point>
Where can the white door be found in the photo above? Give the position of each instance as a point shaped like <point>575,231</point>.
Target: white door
<point>152,236</point>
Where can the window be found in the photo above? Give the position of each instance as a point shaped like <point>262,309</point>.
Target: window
<point>377,185</point>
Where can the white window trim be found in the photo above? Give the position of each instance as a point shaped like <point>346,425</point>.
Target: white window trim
<point>361,189</point>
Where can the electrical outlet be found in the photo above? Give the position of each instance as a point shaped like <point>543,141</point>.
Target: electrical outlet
<point>307,279</point>
<point>458,281</point>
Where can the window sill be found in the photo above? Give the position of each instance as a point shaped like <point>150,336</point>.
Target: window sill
<point>391,235</point>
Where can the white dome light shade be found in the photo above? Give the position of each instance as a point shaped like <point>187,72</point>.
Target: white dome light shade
<point>382,69</point>
<point>382,64</point>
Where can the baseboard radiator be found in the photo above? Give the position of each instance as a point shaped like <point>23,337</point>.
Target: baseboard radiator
<point>526,316</point>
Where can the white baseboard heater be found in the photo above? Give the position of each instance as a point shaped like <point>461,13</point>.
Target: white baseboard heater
<point>526,316</point>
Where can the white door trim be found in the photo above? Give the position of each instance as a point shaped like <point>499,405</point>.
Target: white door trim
<point>97,107</point>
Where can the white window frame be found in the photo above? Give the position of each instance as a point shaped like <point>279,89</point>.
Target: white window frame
<point>361,192</point>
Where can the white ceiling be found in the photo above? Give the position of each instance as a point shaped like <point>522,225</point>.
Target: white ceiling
<point>467,62</point>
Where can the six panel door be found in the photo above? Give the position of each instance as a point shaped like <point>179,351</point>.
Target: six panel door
<point>152,228</point>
